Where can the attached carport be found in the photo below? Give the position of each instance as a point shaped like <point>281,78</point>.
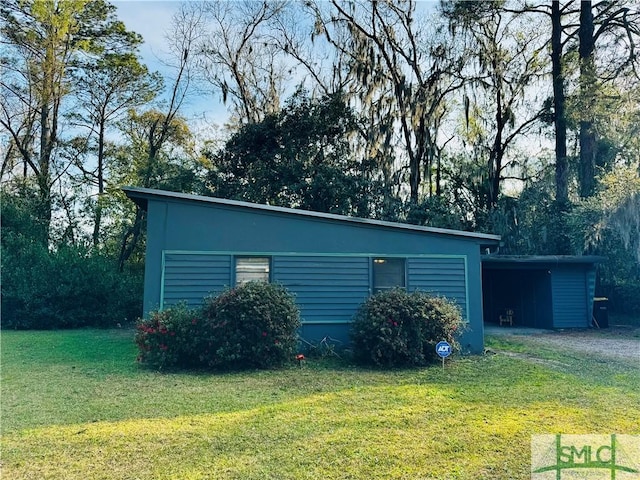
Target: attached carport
<point>543,291</point>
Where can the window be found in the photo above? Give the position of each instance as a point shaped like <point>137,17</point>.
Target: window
<point>252,269</point>
<point>388,273</point>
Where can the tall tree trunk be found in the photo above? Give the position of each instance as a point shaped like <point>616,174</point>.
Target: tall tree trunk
<point>45,202</point>
<point>438,173</point>
<point>587,94</point>
<point>497,151</point>
<point>44,208</point>
<point>131,238</point>
<point>97,219</point>
<point>560,120</point>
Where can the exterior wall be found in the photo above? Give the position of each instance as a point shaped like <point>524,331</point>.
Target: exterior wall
<point>191,277</point>
<point>442,275</point>
<point>324,262</point>
<point>328,289</point>
<point>570,297</point>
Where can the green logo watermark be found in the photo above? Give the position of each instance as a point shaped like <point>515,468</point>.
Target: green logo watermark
<point>588,457</point>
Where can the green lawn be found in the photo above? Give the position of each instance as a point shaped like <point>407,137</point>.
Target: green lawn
<point>76,406</point>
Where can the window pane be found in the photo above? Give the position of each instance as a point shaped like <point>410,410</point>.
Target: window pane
<point>252,269</point>
<point>388,273</point>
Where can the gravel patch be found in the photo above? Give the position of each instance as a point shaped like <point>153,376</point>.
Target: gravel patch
<point>618,344</point>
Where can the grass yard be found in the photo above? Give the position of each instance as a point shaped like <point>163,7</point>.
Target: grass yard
<point>76,406</point>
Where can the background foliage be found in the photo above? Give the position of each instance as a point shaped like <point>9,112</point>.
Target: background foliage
<point>500,117</point>
<point>67,287</point>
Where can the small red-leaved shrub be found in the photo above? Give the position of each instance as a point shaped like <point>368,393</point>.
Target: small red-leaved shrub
<point>396,328</point>
<point>164,339</point>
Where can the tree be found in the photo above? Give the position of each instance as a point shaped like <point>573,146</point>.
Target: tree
<point>155,131</point>
<point>586,49</point>
<point>107,88</point>
<point>237,54</point>
<point>401,75</point>
<point>608,224</point>
<point>616,208</point>
<point>503,66</point>
<point>297,158</point>
<point>604,36</point>
<point>157,153</point>
<point>44,41</point>
<point>559,102</point>
<point>607,36</point>
<point>533,222</point>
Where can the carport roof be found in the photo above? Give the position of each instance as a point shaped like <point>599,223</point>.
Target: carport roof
<point>540,259</point>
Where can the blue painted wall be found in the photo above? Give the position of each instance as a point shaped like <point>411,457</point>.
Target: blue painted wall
<point>570,289</point>
<point>325,262</point>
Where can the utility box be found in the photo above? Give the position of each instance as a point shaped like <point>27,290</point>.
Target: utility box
<point>601,312</point>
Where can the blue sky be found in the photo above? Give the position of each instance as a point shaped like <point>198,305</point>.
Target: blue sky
<point>152,19</point>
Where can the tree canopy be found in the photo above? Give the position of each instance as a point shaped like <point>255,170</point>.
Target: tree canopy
<point>505,117</point>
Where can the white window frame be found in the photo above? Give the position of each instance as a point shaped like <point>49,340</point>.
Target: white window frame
<point>252,268</point>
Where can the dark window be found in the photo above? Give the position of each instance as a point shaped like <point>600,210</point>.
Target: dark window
<point>252,269</point>
<point>388,273</point>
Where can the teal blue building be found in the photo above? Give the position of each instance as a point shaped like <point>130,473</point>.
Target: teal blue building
<point>198,246</point>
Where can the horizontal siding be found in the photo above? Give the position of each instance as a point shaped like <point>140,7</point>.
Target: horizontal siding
<point>569,291</point>
<point>440,276</point>
<point>591,291</point>
<point>327,289</point>
<point>192,277</point>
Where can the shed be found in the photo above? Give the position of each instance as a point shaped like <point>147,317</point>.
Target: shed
<point>542,291</point>
<point>198,246</point>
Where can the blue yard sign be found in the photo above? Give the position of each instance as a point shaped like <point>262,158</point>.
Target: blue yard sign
<point>443,349</point>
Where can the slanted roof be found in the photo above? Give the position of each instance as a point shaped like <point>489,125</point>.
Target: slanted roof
<point>532,260</point>
<point>141,196</point>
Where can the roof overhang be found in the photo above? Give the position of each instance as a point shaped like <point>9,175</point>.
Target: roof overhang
<point>532,261</point>
<point>141,197</point>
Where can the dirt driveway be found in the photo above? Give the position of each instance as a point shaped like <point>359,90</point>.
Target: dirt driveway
<point>615,343</point>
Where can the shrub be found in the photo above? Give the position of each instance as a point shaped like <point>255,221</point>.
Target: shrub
<point>396,328</point>
<point>624,297</point>
<point>58,284</point>
<point>251,326</point>
<point>165,339</point>
<point>69,287</point>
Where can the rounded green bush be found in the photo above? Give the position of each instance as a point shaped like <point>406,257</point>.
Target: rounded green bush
<point>395,328</point>
<point>254,325</point>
